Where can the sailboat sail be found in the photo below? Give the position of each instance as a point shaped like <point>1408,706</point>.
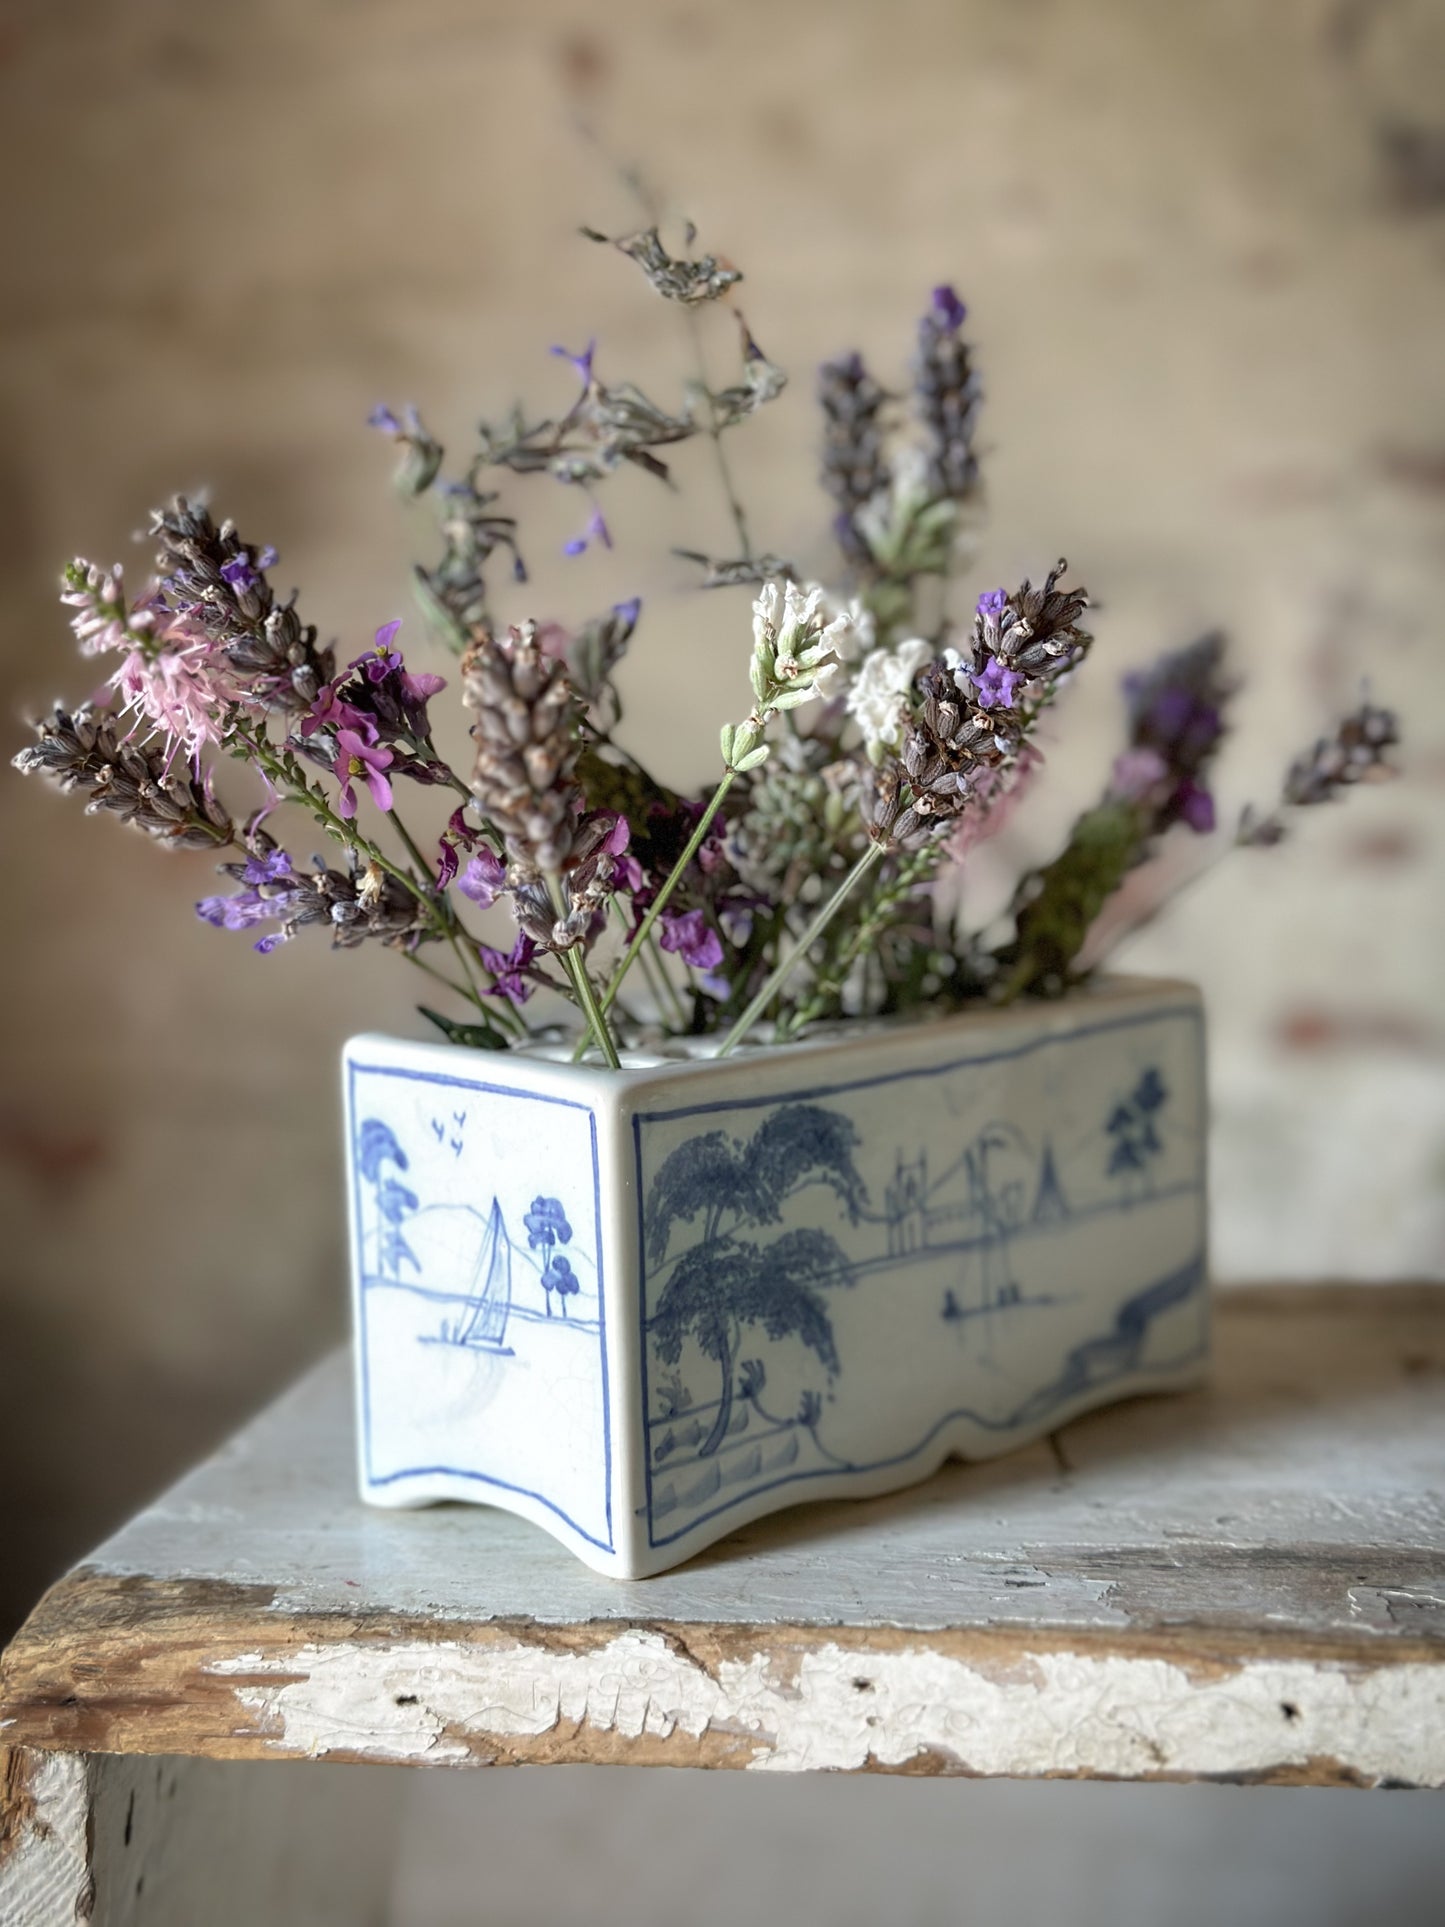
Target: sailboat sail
<point>491,1287</point>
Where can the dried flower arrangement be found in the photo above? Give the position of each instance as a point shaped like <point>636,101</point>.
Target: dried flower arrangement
<point>885,740</point>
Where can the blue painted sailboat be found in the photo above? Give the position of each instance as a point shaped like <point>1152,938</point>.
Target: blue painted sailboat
<point>484,1324</point>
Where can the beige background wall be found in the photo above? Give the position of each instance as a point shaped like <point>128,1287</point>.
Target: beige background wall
<point>1203,247</point>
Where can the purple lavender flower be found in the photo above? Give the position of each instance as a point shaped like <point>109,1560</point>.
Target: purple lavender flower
<point>355,757</point>
<point>992,603</point>
<point>271,866</point>
<point>244,909</point>
<point>239,911</point>
<point>507,968</point>
<point>582,363</point>
<point>383,418</point>
<point>1194,806</point>
<point>948,310</point>
<point>995,684</point>
<point>595,531</point>
<point>243,574</point>
<point>690,936</point>
<point>483,879</point>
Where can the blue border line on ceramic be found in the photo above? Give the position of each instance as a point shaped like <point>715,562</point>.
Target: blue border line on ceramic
<point>457,1472</point>
<point>1198,1262</point>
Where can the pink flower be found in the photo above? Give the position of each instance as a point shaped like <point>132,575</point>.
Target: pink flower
<point>186,694</point>
<point>1136,772</point>
<point>357,757</point>
<point>330,712</point>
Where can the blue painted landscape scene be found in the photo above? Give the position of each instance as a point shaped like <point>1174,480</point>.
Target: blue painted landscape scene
<point>481,1315</point>
<point>909,1237</point>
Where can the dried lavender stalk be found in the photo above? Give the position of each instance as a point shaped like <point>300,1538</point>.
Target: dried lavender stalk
<point>87,749</point>
<point>208,574</point>
<point>949,396</point>
<point>526,732</point>
<point>855,467</point>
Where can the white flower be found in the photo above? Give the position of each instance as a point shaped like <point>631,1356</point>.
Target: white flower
<point>878,700</point>
<point>795,645</point>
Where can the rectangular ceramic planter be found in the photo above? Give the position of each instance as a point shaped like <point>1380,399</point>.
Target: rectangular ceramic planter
<point>643,1307</point>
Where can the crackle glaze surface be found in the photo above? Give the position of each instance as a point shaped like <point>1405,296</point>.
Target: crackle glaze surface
<point>643,1308</point>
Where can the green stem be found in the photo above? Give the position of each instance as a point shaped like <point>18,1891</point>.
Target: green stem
<point>910,873</point>
<point>451,929</point>
<point>575,966</point>
<point>784,969</point>
<point>660,985</point>
<point>676,1008</point>
<point>660,901</point>
<point>441,976</point>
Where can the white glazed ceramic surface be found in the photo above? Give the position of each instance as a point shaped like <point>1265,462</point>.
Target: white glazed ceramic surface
<point>644,1307</point>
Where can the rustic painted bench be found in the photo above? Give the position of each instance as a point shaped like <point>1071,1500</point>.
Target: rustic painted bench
<point>1245,1583</point>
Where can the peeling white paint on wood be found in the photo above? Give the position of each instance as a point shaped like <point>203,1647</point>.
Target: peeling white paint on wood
<point>45,1869</point>
<point>844,1709</point>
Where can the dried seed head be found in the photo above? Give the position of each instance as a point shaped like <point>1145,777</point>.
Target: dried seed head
<point>526,732</point>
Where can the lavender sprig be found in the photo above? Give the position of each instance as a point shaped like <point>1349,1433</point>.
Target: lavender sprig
<point>1356,751</point>
<point>216,583</point>
<point>949,396</point>
<point>86,749</point>
<point>855,467</point>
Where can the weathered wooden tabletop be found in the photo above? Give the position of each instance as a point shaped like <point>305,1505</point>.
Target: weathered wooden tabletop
<point>1246,1582</point>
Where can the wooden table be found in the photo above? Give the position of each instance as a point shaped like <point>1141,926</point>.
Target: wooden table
<point>1245,1583</point>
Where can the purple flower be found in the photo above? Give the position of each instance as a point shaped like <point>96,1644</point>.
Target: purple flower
<point>628,612</point>
<point>507,969</point>
<point>380,661</point>
<point>355,757</point>
<point>239,573</point>
<point>419,690</point>
<point>240,911</point>
<point>947,309</point>
<point>996,685</point>
<point>330,712</point>
<point>582,363</point>
<point>483,878</point>
<point>595,531</point>
<point>382,417</point>
<point>992,603</point>
<point>270,867</point>
<point>244,909</point>
<point>1195,806</point>
<point>688,933</point>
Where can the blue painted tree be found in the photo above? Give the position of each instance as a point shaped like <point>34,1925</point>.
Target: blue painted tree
<point>725,1283</point>
<point>559,1277</point>
<point>1133,1130</point>
<point>547,1227</point>
<point>376,1148</point>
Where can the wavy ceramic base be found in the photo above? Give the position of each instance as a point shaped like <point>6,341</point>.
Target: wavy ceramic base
<point>645,1307</point>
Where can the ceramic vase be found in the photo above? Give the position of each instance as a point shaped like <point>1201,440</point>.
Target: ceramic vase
<point>644,1307</point>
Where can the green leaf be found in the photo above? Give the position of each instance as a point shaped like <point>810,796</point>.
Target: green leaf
<point>472,1036</point>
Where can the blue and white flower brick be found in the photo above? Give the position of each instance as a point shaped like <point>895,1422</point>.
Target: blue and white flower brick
<point>646,1306</point>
